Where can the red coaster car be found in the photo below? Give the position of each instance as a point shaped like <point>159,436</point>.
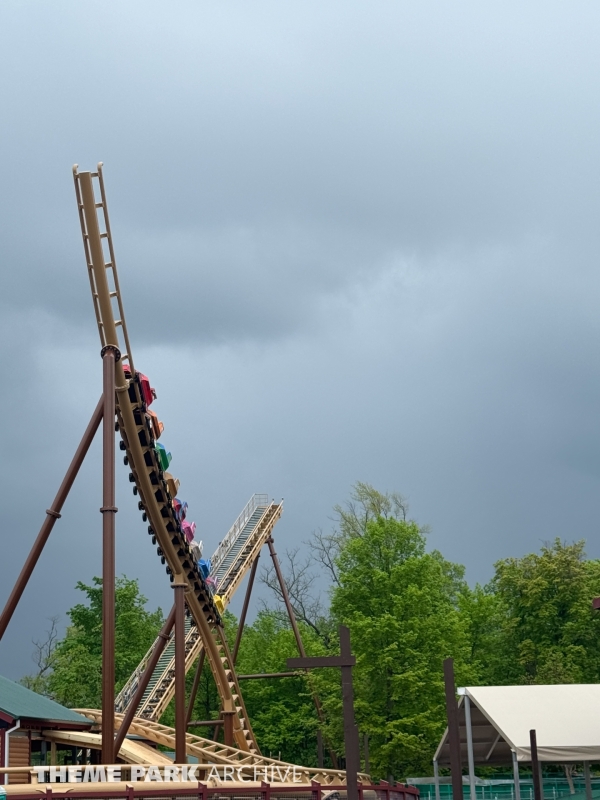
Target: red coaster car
<point>147,392</point>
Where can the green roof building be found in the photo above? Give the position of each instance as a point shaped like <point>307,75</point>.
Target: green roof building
<point>24,716</point>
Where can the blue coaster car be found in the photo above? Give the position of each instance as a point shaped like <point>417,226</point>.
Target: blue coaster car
<point>205,567</point>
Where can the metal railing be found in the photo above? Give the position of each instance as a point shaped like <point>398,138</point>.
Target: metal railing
<point>256,501</point>
<point>236,790</point>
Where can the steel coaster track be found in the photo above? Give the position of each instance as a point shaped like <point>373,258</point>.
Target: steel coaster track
<point>235,561</point>
<point>209,752</point>
<point>136,433</point>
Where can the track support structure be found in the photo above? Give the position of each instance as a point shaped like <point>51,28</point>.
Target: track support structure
<point>294,624</point>
<point>242,621</point>
<point>162,639</point>
<point>195,685</point>
<point>110,355</point>
<point>453,729</point>
<point>52,514</point>
<point>180,710</point>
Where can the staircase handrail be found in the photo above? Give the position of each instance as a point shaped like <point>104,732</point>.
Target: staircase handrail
<point>230,537</point>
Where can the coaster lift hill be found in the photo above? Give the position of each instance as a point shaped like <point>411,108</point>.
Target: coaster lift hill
<point>122,400</point>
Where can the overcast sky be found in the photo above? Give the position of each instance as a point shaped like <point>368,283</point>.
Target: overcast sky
<point>356,241</point>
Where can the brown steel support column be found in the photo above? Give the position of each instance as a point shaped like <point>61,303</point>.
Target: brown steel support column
<point>195,686</point>
<point>535,767</point>
<point>52,514</point>
<point>180,711</point>
<point>110,356</point>
<point>228,728</point>
<point>350,730</point>
<point>162,639</point>
<point>286,597</point>
<point>453,730</point>
<point>294,624</point>
<point>242,621</point>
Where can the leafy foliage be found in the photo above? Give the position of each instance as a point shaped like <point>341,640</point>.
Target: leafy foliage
<point>407,609</point>
<point>401,605</point>
<point>76,660</point>
<point>546,631</point>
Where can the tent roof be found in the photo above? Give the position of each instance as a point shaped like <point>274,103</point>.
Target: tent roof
<point>565,718</point>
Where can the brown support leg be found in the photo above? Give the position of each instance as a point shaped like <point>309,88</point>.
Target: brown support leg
<point>228,727</point>
<point>195,686</point>
<point>180,712</point>
<point>294,624</point>
<point>109,359</point>
<point>163,638</point>
<point>535,767</point>
<point>286,598</point>
<point>453,730</point>
<point>52,514</point>
<point>350,730</point>
<point>242,621</point>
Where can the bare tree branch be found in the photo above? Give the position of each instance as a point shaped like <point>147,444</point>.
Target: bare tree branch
<point>299,579</point>
<point>325,550</point>
<point>43,656</point>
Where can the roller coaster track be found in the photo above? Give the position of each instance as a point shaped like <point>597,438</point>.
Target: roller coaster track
<point>232,559</point>
<point>137,435</point>
<point>209,752</point>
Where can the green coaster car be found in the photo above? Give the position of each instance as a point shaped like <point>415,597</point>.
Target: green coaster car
<point>164,458</point>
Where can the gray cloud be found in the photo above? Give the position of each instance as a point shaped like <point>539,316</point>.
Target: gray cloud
<point>354,244</point>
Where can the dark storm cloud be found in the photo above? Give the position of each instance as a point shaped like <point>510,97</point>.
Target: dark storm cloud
<point>355,242</point>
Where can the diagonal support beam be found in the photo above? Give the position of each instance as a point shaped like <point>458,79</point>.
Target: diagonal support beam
<point>242,621</point>
<point>294,624</point>
<point>161,643</point>
<point>52,514</point>
<point>195,686</point>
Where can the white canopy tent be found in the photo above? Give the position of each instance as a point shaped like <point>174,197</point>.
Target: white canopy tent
<point>495,721</point>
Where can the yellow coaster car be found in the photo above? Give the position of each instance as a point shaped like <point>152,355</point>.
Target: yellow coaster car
<point>218,600</point>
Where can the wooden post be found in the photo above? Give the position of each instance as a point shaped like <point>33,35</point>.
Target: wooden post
<point>453,730</point>
<point>535,766</point>
<point>345,661</point>
<point>350,729</point>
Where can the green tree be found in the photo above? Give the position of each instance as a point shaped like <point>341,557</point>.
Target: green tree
<point>76,660</point>
<point>401,604</point>
<point>282,711</point>
<point>546,631</point>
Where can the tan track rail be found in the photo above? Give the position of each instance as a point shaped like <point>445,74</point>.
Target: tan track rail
<point>209,752</point>
<point>154,705</point>
<point>131,752</point>
<point>136,433</point>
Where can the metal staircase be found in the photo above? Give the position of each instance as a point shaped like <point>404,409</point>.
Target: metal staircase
<point>232,559</point>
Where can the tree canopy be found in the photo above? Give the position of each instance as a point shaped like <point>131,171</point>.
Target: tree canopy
<point>73,668</point>
<point>407,608</point>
